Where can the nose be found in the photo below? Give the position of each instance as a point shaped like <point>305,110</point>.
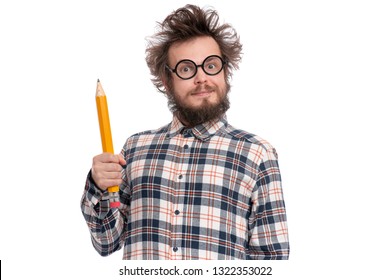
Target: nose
<point>201,76</point>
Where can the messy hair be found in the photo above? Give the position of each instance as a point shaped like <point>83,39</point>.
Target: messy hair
<point>184,24</point>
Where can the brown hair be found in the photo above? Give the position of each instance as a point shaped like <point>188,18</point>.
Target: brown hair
<point>186,23</point>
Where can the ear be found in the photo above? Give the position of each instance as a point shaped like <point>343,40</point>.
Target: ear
<point>165,84</point>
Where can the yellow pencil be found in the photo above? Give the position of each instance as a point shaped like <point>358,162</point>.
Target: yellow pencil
<point>105,134</point>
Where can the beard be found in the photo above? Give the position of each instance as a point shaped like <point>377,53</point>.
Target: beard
<point>206,112</point>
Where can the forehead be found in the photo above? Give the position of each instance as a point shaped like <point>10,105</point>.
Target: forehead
<point>196,49</point>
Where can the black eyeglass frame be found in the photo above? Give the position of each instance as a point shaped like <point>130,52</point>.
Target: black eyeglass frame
<point>174,70</point>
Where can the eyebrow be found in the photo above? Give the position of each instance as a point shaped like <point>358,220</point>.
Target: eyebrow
<point>201,60</point>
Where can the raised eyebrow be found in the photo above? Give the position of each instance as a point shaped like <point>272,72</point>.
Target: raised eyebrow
<point>185,62</point>
<point>211,59</point>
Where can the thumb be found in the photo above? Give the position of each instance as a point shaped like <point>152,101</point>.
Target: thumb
<point>121,160</point>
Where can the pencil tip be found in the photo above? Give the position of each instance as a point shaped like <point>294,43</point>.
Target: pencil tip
<point>98,81</point>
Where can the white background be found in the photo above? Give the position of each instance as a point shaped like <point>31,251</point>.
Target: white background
<point>314,81</point>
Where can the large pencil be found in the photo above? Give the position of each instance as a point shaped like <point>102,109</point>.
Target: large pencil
<point>105,135</point>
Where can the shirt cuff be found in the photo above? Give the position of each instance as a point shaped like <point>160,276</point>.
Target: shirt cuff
<point>97,198</point>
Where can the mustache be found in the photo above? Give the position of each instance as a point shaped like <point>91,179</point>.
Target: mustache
<point>200,88</point>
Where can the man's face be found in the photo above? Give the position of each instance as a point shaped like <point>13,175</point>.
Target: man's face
<point>202,97</point>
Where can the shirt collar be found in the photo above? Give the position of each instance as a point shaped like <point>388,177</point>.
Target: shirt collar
<point>202,131</point>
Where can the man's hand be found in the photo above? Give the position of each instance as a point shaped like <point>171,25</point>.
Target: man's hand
<point>106,170</point>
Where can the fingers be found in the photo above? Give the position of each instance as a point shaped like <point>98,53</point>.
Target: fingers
<point>109,167</point>
<point>110,174</point>
<point>109,158</point>
<point>107,170</point>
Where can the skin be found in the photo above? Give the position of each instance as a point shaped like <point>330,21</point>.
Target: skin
<point>201,90</point>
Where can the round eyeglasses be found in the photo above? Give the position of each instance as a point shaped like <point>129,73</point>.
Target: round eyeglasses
<point>186,69</point>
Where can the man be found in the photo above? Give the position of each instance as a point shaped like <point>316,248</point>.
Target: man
<point>196,188</point>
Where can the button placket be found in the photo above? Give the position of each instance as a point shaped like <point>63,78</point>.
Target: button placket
<point>184,148</point>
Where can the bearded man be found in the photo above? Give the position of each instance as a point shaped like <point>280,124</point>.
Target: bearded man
<point>196,188</point>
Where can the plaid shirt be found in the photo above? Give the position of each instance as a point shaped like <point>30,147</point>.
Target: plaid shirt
<point>210,192</point>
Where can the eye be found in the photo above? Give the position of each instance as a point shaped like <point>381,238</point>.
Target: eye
<point>211,66</point>
<point>185,68</point>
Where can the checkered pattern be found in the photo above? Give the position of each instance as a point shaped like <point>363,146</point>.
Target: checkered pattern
<point>210,192</point>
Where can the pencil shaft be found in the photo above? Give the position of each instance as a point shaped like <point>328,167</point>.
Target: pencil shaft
<point>104,123</point>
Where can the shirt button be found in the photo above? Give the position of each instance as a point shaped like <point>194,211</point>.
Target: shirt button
<point>177,212</point>
<point>185,147</point>
<point>175,249</point>
<point>180,176</point>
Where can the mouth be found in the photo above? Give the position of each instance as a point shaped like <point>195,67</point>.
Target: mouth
<point>202,93</point>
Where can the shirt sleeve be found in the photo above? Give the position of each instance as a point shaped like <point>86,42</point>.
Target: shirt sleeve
<point>268,234</point>
<point>106,225</point>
